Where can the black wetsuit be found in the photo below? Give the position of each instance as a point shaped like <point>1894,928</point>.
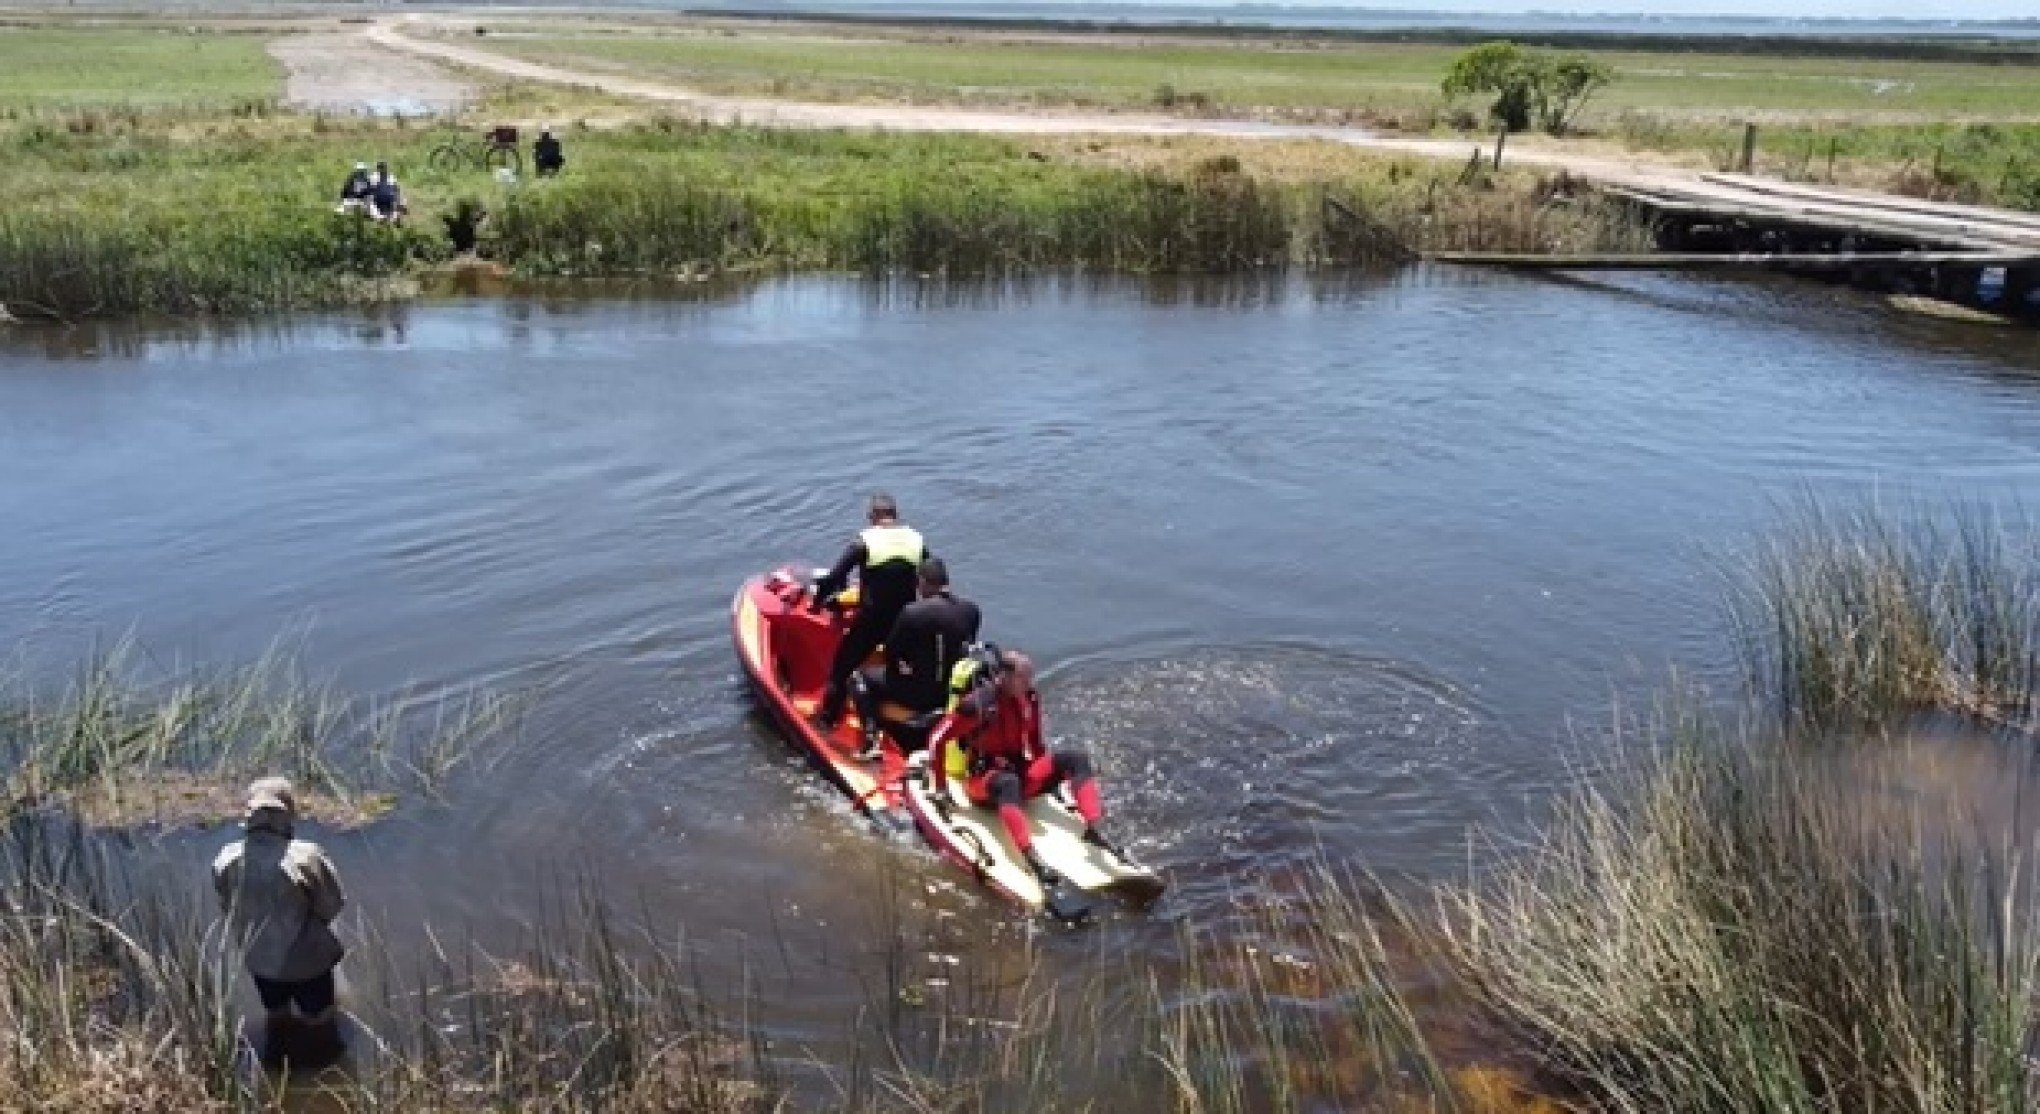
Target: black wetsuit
<point>926,642</point>
<point>886,586</point>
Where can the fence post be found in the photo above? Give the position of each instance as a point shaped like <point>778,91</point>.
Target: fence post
<point>1749,147</point>
<point>1501,137</point>
<point>1833,142</point>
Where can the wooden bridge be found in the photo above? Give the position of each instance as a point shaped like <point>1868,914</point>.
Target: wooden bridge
<point>1975,256</point>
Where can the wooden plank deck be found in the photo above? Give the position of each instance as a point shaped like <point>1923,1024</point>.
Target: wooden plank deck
<point>1718,261</point>
<point>1927,224</point>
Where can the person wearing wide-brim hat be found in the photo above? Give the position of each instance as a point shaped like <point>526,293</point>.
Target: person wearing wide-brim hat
<point>280,895</point>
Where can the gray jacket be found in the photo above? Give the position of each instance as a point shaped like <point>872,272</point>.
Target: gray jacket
<point>280,895</point>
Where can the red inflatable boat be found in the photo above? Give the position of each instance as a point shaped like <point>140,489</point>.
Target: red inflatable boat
<point>786,649</point>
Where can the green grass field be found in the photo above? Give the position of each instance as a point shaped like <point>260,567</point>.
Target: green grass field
<point>45,68</point>
<point>1385,78</point>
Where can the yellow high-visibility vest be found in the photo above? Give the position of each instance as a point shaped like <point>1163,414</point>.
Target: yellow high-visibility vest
<point>884,545</point>
<point>962,675</point>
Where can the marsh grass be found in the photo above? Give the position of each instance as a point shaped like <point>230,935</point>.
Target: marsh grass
<point>112,997</point>
<point>1724,931</point>
<point>119,211</point>
<point>115,994</point>
<point>127,741</point>
<point>1855,619</point>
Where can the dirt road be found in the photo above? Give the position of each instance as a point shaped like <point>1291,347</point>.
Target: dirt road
<point>1843,210</point>
<point>918,118</point>
<point>344,71</point>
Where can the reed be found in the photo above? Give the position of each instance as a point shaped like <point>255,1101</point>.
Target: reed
<point>114,996</point>
<point>120,211</point>
<point>1723,929</point>
<point>125,743</point>
<point>1854,619</point>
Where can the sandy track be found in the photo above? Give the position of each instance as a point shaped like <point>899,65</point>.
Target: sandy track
<point>1980,228</point>
<point>346,71</point>
<point>911,118</point>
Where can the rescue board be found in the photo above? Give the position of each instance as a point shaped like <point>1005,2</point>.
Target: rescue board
<point>974,839</point>
<point>786,648</point>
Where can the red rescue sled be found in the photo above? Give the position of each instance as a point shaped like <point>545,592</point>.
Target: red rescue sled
<point>786,649</point>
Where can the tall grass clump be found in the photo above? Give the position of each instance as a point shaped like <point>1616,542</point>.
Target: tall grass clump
<point>113,996</point>
<point>1725,931</point>
<point>1855,619</point>
<point>125,742</point>
<point>70,265</point>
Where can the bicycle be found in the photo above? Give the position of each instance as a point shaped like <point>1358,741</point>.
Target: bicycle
<point>496,149</point>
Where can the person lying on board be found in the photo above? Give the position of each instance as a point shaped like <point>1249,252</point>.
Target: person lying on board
<point>926,642</point>
<point>991,739</point>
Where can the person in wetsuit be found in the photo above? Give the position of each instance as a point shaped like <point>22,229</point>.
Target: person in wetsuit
<point>996,723</point>
<point>925,643</point>
<point>886,556</point>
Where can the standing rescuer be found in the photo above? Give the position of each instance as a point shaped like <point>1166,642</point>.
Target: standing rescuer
<point>926,642</point>
<point>280,895</point>
<point>887,557</point>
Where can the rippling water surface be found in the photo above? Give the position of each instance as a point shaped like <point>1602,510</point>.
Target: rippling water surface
<point>1356,565</point>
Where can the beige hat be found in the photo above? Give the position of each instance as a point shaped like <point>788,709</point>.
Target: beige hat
<point>271,793</point>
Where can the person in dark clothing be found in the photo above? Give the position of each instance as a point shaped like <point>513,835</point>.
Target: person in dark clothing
<point>546,156</point>
<point>355,192</point>
<point>386,200</point>
<point>925,643</point>
<point>886,557</point>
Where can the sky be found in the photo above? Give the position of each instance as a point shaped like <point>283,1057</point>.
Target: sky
<point>1863,9</point>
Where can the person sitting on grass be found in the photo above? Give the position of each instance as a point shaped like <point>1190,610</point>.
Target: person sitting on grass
<point>546,156</point>
<point>386,201</point>
<point>357,190</point>
<point>280,895</point>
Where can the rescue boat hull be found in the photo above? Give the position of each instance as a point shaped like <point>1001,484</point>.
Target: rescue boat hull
<point>786,649</point>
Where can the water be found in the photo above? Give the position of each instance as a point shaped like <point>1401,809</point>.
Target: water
<point>1355,564</point>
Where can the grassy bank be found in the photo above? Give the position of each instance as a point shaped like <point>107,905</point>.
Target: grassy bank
<point>124,211</point>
